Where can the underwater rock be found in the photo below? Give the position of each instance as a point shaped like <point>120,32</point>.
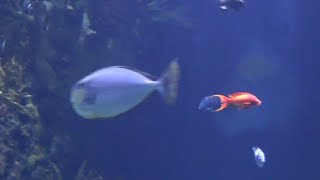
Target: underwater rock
<point>37,155</point>
<point>20,125</point>
<point>46,75</point>
<point>3,164</point>
<point>160,11</point>
<point>48,5</point>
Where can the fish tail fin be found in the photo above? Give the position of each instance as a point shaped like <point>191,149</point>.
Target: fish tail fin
<point>224,102</point>
<point>169,82</point>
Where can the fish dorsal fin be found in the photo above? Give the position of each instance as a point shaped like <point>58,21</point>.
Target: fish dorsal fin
<point>150,76</point>
<point>238,94</point>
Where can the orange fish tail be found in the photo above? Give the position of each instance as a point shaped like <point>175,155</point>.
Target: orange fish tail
<point>224,102</point>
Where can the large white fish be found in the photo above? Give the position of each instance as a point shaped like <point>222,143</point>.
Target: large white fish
<point>114,90</point>
<point>259,156</point>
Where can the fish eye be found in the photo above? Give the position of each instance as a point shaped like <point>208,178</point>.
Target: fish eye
<point>81,85</point>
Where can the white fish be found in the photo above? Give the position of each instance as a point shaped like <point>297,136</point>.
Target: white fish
<point>231,4</point>
<point>114,90</point>
<point>259,156</point>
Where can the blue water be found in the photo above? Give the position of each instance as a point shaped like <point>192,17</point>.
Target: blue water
<point>269,48</point>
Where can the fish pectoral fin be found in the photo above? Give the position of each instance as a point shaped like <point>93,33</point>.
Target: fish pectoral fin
<point>242,106</point>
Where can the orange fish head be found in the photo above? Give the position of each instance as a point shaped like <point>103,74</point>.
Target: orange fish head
<point>253,100</point>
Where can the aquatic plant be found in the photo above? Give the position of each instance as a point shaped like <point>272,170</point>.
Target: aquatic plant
<point>91,174</point>
<point>46,171</point>
<point>20,125</point>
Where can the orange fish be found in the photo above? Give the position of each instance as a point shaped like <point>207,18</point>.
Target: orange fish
<point>239,100</point>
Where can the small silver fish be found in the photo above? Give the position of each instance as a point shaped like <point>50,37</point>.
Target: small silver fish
<point>27,6</point>
<point>231,4</point>
<point>259,156</point>
<point>3,43</point>
<point>114,90</point>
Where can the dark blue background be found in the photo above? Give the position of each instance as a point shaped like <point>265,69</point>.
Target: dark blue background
<point>159,142</point>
